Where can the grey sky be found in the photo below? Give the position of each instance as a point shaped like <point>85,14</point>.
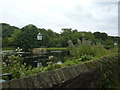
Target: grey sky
<point>83,15</point>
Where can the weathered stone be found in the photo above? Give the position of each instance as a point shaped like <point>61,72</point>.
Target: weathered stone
<point>88,65</point>
<point>66,73</point>
<point>6,84</point>
<point>15,83</point>
<point>30,82</point>
<point>73,72</point>
<point>60,75</point>
<point>36,81</point>
<point>78,68</point>
<point>45,80</point>
<point>84,68</point>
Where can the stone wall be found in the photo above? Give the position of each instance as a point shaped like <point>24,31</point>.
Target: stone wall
<point>85,75</point>
<point>105,74</point>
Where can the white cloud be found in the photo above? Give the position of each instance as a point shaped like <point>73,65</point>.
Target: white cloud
<point>57,14</point>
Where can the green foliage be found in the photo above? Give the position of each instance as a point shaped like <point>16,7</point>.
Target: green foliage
<point>72,62</point>
<point>86,57</point>
<point>31,71</point>
<point>101,36</point>
<point>110,73</point>
<point>74,35</point>
<point>15,37</point>
<point>28,37</point>
<point>8,48</point>
<point>69,63</point>
<point>7,30</point>
<point>99,50</point>
<point>80,52</point>
<point>88,35</point>
<point>113,50</point>
<point>108,44</point>
<point>51,67</point>
<point>13,64</point>
<point>87,49</point>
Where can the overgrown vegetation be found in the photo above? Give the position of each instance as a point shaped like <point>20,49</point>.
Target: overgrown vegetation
<point>82,46</point>
<point>88,50</point>
<point>110,72</point>
<point>26,37</point>
<point>14,65</point>
<point>79,54</point>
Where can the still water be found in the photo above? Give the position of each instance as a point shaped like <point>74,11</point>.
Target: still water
<point>43,60</point>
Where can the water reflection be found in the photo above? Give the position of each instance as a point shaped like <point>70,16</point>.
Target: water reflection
<point>43,60</point>
<point>59,62</point>
<point>31,59</point>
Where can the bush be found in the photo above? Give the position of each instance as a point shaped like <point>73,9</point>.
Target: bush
<point>13,65</point>
<point>72,61</point>
<point>108,44</point>
<point>69,63</point>
<point>51,67</point>
<point>110,72</point>
<point>32,71</point>
<point>86,57</point>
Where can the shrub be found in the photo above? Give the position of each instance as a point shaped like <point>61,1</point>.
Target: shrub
<point>69,63</point>
<point>51,67</point>
<point>86,57</point>
<point>32,71</point>
<point>13,65</point>
<point>72,61</point>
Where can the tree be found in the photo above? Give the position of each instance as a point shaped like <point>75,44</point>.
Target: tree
<point>108,44</point>
<point>104,36</point>
<point>7,30</point>
<point>66,30</point>
<point>28,37</point>
<point>101,36</point>
<point>15,37</point>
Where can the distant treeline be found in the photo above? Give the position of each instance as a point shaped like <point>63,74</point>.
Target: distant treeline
<point>26,37</point>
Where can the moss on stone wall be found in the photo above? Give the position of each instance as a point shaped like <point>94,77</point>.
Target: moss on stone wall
<point>110,72</point>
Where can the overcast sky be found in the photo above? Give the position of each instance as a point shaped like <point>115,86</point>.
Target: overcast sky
<point>83,15</point>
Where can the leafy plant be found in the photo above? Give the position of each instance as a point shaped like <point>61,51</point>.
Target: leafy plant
<point>51,67</point>
<point>86,57</point>
<point>13,65</point>
<point>72,61</point>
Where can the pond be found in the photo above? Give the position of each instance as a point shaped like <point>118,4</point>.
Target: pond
<point>34,60</point>
<point>43,60</point>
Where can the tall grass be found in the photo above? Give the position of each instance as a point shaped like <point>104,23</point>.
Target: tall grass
<point>87,49</point>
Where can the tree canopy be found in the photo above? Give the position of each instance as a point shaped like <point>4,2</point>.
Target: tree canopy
<point>26,37</point>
